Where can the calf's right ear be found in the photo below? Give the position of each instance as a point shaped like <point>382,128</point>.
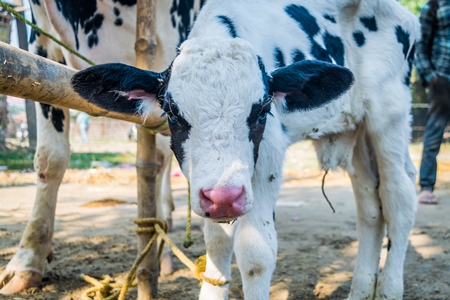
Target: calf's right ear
<point>121,88</point>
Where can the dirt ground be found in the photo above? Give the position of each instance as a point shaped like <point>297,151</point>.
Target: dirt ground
<point>316,252</point>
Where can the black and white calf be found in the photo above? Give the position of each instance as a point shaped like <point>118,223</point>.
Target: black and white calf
<point>104,31</point>
<point>253,78</point>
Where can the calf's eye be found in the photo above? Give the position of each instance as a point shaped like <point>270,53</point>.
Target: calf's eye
<point>173,120</point>
<point>262,119</point>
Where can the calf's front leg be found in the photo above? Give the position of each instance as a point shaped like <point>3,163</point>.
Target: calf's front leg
<point>256,252</point>
<point>26,268</point>
<point>219,248</point>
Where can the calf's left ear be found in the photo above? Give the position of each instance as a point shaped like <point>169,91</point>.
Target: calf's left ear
<point>120,88</point>
<point>309,84</point>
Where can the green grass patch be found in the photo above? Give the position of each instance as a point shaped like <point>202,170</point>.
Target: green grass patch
<point>17,159</point>
<point>84,160</point>
<point>23,159</point>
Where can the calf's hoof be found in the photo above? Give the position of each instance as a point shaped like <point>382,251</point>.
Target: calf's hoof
<point>15,283</point>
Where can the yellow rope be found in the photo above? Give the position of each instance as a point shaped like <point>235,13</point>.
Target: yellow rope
<point>161,127</point>
<point>20,17</point>
<point>188,241</point>
<point>104,287</point>
<point>159,228</point>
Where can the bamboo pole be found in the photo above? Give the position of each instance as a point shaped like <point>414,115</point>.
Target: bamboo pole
<point>146,165</point>
<point>29,76</point>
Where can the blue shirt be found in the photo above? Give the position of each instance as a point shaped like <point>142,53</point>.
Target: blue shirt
<point>433,49</point>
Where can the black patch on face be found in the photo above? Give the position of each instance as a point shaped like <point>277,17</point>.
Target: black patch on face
<point>179,127</point>
<point>330,18</point>
<point>56,115</point>
<point>256,123</point>
<point>359,38</point>
<point>118,22</point>
<point>370,23</point>
<point>308,24</point>
<point>335,47</point>
<point>182,8</point>
<point>41,51</point>
<point>116,11</point>
<point>229,24</point>
<point>297,56</point>
<point>279,58</point>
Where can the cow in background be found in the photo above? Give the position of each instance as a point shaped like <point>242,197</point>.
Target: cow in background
<point>103,31</point>
<point>255,77</point>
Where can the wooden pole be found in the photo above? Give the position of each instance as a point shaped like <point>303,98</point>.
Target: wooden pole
<point>29,76</point>
<point>30,107</point>
<point>146,166</point>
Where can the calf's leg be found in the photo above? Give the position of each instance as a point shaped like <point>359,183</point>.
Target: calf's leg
<point>26,268</point>
<point>256,252</point>
<point>370,223</point>
<point>219,248</point>
<point>398,201</point>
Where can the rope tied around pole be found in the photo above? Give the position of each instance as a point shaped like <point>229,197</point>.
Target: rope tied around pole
<point>157,129</point>
<point>158,228</point>
<point>198,267</point>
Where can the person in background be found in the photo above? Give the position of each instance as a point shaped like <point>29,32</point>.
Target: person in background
<point>433,65</point>
<point>83,124</point>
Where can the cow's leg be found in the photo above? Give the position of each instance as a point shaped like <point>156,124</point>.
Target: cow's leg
<point>164,196</point>
<point>370,223</point>
<point>219,249</point>
<point>26,268</point>
<point>256,251</point>
<point>398,200</point>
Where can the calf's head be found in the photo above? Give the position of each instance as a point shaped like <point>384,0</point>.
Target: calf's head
<point>217,97</point>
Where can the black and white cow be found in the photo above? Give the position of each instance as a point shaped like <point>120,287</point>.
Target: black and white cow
<point>104,31</point>
<point>253,78</point>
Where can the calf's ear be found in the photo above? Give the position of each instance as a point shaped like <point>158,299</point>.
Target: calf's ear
<point>120,88</point>
<point>309,84</point>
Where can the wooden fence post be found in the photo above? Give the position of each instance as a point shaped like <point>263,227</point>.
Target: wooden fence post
<point>146,165</point>
<point>5,35</point>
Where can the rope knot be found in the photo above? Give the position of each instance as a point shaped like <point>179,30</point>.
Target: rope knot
<point>147,225</point>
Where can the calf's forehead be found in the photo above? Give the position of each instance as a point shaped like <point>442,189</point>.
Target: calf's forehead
<point>211,80</point>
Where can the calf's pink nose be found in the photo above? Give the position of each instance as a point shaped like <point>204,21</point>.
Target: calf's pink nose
<point>223,202</point>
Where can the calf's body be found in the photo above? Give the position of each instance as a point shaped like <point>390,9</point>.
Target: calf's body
<point>253,78</point>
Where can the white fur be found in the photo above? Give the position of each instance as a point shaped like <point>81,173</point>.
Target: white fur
<point>216,79</point>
